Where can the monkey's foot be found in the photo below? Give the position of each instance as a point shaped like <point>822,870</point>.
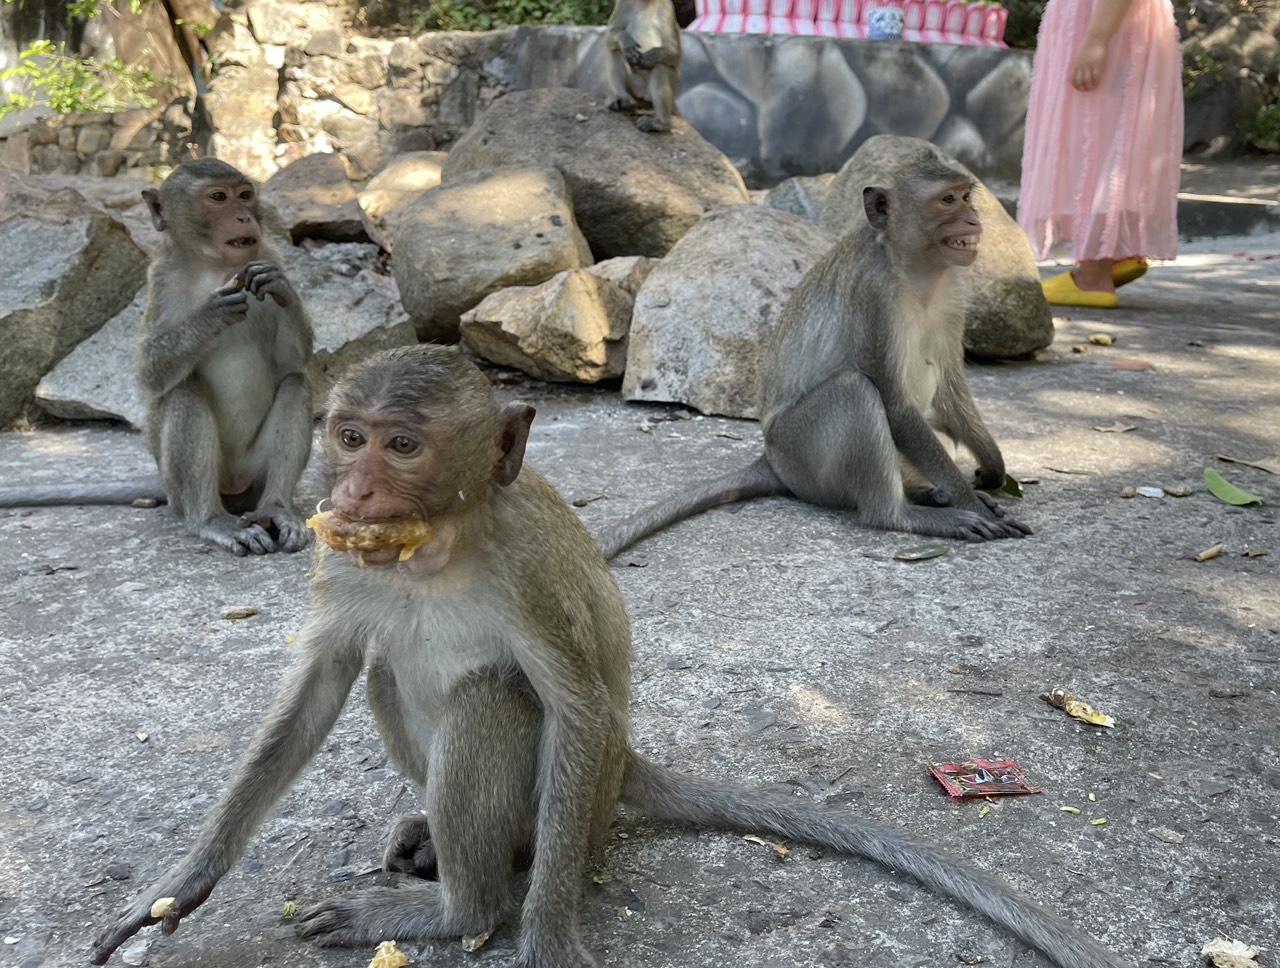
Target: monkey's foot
<point>647,122</point>
<point>409,849</point>
<point>963,524</point>
<point>537,953</point>
<point>290,532</point>
<point>229,534</point>
<point>414,911</point>
<point>621,104</point>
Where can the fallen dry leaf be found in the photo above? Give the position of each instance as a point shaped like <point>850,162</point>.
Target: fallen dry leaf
<point>1180,490</point>
<point>781,851</point>
<point>1209,553</point>
<point>1254,552</point>
<point>1079,348</point>
<point>474,942</point>
<point>233,612</point>
<point>729,434</point>
<point>1270,463</point>
<point>1115,428</point>
<point>1167,835</point>
<point>1101,339</point>
<point>582,502</point>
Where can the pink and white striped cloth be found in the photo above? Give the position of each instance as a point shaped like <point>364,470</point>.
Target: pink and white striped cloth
<point>925,21</point>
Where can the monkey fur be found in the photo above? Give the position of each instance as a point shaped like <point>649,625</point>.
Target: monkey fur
<point>643,43</point>
<point>865,362</point>
<point>498,673</point>
<point>221,356</point>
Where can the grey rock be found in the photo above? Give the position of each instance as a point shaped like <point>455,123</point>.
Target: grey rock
<point>570,328</point>
<point>803,196</point>
<point>1006,314</point>
<point>70,270</point>
<point>316,199</point>
<point>633,193</point>
<point>1220,106</point>
<point>95,381</point>
<point>480,232</point>
<point>706,310</point>
<point>398,185</point>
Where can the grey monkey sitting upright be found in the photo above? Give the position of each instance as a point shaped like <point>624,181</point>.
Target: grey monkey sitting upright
<point>498,656</point>
<point>867,352</point>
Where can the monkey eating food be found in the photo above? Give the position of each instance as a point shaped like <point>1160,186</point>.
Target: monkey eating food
<point>221,356</point>
<point>866,361</point>
<point>642,39</point>
<point>498,673</point>
<point>341,533</point>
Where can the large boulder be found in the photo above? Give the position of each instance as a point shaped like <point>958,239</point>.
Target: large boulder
<point>69,270</point>
<point>95,381</point>
<point>397,186</point>
<point>634,193</point>
<point>707,309</point>
<point>1006,314</point>
<point>480,232</point>
<point>315,200</point>
<point>571,328</point>
<point>803,195</point>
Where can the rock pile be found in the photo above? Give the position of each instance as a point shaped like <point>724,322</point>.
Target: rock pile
<point>555,238</point>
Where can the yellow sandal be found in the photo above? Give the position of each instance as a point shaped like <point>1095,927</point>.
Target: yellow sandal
<point>1124,271</point>
<point>1061,290</point>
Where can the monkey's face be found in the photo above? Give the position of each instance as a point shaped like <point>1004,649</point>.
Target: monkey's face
<point>956,227</point>
<point>226,215</point>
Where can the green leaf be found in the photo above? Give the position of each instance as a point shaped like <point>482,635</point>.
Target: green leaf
<point>921,553</point>
<point>1224,490</point>
<point>1011,486</point>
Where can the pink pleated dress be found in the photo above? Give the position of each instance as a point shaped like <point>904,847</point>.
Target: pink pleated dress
<point>1100,168</point>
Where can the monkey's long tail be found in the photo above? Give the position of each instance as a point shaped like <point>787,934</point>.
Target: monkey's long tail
<point>666,794</point>
<point>55,495</point>
<point>755,480</point>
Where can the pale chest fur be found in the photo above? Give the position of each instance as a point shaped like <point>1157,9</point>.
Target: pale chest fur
<point>433,633</point>
<point>922,351</point>
<point>239,371</point>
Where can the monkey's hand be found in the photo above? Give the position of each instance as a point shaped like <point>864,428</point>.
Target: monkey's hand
<point>649,59</point>
<point>227,306</point>
<point>262,279</point>
<point>630,49</point>
<point>285,526</point>
<point>991,478</point>
<point>189,888</point>
<point>1010,527</point>
<point>410,850</point>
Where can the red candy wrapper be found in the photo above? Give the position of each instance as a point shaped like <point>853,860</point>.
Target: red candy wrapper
<point>983,778</point>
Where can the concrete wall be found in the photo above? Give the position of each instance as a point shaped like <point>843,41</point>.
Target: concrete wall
<point>294,81</point>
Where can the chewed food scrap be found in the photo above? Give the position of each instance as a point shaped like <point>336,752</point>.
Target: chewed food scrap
<point>389,956</point>
<point>983,778</point>
<point>341,533</point>
<point>1078,708</point>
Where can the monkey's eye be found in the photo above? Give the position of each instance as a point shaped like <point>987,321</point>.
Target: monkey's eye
<point>403,444</point>
<point>246,196</point>
<point>351,438</point>
<point>218,196</point>
<point>966,197</point>
<point>949,198</point>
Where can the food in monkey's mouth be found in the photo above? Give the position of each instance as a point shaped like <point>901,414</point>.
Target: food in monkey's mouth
<point>342,533</point>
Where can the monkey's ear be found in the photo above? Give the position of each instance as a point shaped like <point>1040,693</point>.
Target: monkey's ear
<point>152,198</point>
<point>876,202</point>
<point>516,418</point>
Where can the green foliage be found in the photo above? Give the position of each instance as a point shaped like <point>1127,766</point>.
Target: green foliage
<point>1265,133</point>
<point>492,14</point>
<point>50,77</point>
<point>1024,22</point>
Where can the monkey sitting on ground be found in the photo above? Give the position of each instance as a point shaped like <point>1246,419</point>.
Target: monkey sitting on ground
<point>229,411</point>
<point>643,42</point>
<point>498,656</point>
<point>867,353</point>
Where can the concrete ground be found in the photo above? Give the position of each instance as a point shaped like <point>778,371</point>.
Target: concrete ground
<point>776,643</point>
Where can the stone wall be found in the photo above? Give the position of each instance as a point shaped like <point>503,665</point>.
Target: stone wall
<point>292,79</point>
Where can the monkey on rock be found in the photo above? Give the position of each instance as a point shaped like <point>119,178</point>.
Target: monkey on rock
<point>221,357</point>
<point>865,362</point>
<point>643,42</point>
<point>497,650</point>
